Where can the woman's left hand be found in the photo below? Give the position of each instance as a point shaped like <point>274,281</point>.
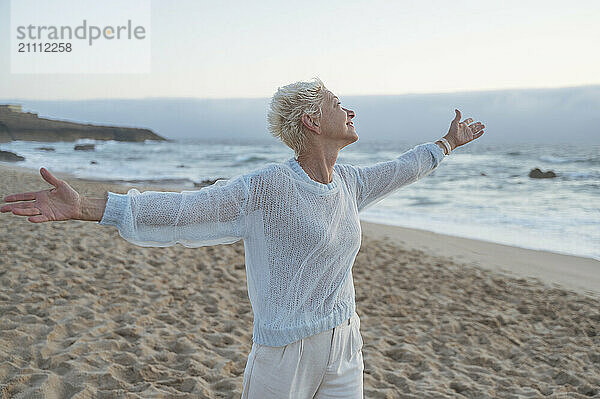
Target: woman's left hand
<point>461,133</point>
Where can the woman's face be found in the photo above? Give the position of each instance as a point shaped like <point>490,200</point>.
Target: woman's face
<point>336,121</point>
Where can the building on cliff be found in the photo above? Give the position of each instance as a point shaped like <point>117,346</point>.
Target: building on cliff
<point>11,108</point>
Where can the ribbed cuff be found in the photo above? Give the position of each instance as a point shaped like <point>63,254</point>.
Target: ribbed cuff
<point>436,151</point>
<point>115,209</point>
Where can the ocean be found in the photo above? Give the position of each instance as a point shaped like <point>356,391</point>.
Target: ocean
<point>480,191</point>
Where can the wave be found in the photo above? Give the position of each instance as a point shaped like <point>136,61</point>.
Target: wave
<point>242,159</point>
<point>424,201</point>
<point>555,159</point>
<point>581,175</point>
<point>427,203</point>
<point>170,182</point>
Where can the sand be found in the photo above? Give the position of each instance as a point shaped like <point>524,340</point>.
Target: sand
<point>86,314</point>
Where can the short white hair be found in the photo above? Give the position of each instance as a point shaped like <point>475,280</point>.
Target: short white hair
<point>288,105</point>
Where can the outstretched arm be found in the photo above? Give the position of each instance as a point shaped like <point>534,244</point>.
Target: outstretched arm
<point>212,215</point>
<point>376,182</point>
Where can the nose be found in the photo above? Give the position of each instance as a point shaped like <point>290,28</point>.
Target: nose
<point>350,113</point>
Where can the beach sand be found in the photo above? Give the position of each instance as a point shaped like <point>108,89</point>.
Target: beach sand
<point>86,314</point>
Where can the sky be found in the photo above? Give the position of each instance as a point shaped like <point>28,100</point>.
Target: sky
<point>240,49</point>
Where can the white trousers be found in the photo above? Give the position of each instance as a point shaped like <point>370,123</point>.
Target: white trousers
<point>325,365</point>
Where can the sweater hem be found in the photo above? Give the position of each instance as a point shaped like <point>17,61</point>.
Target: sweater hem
<point>271,337</point>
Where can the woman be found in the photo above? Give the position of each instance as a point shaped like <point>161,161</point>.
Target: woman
<point>301,231</point>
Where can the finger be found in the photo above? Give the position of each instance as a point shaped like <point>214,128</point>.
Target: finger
<point>458,116</point>
<point>468,120</point>
<point>26,211</point>
<point>477,135</point>
<point>20,197</point>
<point>10,207</point>
<point>49,177</point>
<point>38,219</point>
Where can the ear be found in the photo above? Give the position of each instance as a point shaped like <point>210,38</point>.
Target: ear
<point>310,124</point>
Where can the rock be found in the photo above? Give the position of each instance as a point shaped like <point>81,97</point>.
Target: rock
<point>538,174</point>
<point>7,156</point>
<point>84,147</point>
<point>93,162</point>
<point>483,174</point>
<point>45,148</point>
<point>207,182</point>
<point>181,166</point>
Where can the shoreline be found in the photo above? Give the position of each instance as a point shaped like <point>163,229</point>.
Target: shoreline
<point>572,272</point>
<point>70,177</point>
<point>581,274</point>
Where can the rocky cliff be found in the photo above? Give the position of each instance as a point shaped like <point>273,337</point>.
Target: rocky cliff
<point>17,125</point>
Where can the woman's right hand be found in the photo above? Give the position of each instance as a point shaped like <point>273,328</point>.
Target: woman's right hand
<point>461,133</point>
<point>59,203</point>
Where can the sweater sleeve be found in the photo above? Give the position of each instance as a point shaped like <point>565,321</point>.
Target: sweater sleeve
<point>212,215</point>
<point>376,182</point>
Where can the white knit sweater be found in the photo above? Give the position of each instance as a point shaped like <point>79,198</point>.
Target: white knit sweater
<point>300,236</point>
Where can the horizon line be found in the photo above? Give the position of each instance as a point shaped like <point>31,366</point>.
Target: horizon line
<point>340,94</point>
